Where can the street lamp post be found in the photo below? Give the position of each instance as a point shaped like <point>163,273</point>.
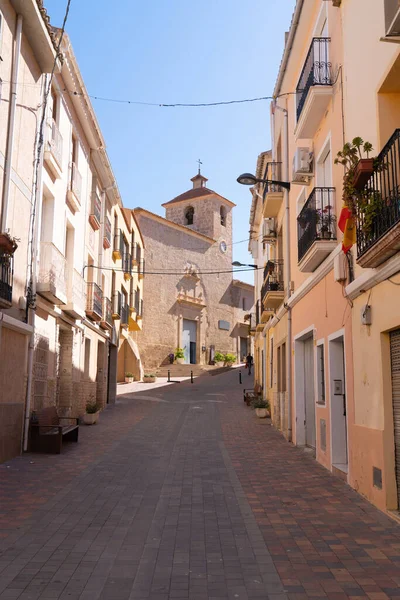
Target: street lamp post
<point>239,264</point>
<point>249,179</point>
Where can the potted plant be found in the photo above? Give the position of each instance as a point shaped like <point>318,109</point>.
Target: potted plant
<point>129,377</point>
<point>171,358</point>
<point>8,245</point>
<point>262,408</point>
<point>273,282</point>
<point>219,359</point>
<point>229,359</point>
<point>365,166</point>
<point>326,221</point>
<point>179,356</point>
<point>92,413</point>
<point>149,378</point>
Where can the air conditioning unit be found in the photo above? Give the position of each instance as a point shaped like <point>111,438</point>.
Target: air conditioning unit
<point>302,166</point>
<point>269,230</point>
<point>392,18</point>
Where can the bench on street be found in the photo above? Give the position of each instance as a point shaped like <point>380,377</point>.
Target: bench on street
<point>47,433</point>
<point>249,395</point>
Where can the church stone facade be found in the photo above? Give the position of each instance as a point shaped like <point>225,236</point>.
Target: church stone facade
<point>191,300</point>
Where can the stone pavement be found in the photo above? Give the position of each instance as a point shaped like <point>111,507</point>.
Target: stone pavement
<point>181,493</point>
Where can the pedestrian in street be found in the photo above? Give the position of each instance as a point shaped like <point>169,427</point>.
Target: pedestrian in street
<point>249,362</point>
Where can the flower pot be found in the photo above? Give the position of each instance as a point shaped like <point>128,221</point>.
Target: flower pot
<point>91,418</point>
<point>219,363</point>
<point>262,413</point>
<point>180,361</point>
<point>363,172</point>
<point>129,379</point>
<point>325,234</point>
<point>149,379</point>
<point>228,364</point>
<point>7,244</point>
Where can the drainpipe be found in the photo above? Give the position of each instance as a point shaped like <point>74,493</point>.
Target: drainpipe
<point>11,126</point>
<point>102,231</point>
<point>37,207</point>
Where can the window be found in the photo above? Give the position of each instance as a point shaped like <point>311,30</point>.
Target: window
<point>222,212</point>
<point>87,358</point>
<point>321,374</point>
<point>189,215</point>
<point>54,107</point>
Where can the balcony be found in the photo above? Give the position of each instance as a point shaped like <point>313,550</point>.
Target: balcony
<point>107,316</point>
<point>316,229</point>
<point>116,305</point>
<point>74,194</point>
<point>378,223</point>
<point>52,280</point>
<point>94,301</point>
<point>314,89</point>
<point>190,300</point>
<point>135,251</point>
<point>273,194</point>
<point>76,295</point>
<point>124,315</point>
<point>269,231</point>
<point>107,234</point>
<point>119,248</point>
<point>141,269</point>
<point>6,279</point>
<point>95,211</point>
<point>273,290</point>
<point>53,152</point>
<point>127,266</point>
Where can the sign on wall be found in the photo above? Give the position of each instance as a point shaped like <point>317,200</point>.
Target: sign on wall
<point>224,325</point>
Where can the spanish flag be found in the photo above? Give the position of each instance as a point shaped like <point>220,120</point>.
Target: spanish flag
<point>347,224</point>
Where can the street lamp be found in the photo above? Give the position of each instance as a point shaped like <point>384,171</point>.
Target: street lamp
<point>249,179</point>
<point>239,264</point>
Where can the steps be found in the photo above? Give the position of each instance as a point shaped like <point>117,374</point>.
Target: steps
<point>184,370</point>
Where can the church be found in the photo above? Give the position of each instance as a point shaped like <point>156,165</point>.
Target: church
<point>191,299</point>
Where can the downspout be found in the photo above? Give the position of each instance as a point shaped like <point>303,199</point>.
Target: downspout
<point>37,207</point>
<point>288,272</point>
<point>11,126</point>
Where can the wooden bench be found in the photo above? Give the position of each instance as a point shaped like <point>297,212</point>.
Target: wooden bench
<point>249,396</point>
<point>47,433</point>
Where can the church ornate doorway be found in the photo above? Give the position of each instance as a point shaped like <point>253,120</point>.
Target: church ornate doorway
<point>189,338</point>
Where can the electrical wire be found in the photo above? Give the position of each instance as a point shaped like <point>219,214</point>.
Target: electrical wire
<point>162,272</point>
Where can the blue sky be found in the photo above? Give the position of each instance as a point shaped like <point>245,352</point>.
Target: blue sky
<point>169,51</point>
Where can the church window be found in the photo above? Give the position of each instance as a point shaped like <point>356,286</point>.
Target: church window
<point>222,212</point>
<point>189,215</point>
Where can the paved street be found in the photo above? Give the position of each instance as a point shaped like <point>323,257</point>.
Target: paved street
<point>182,493</point>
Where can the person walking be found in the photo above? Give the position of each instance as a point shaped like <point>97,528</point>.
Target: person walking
<point>249,362</point>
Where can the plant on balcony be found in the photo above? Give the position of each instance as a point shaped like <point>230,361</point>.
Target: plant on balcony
<point>326,221</point>
<point>8,244</point>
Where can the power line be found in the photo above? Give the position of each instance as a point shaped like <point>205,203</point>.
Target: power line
<point>162,272</point>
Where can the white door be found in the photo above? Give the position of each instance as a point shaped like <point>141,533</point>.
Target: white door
<point>189,335</point>
<point>338,404</point>
<point>309,397</point>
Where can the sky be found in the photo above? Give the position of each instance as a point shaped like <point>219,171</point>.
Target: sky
<point>180,51</point>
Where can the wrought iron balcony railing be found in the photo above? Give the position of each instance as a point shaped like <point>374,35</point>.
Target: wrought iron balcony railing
<point>119,244</point>
<point>382,197</point>
<point>137,302</point>
<point>56,143</point>
<point>127,264</point>
<point>52,268</point>
<point>273,171</point>
<point>317,70</point>
<point>95,211</point>
<point>317,219</point>
<point>76,182</point>
<point>116,305</point>
<point>107,233</point>
<point>107,312</point>
<point>273,278</point>
<point>124,314</point>
<point>94,301</point>
<point>6,278</point>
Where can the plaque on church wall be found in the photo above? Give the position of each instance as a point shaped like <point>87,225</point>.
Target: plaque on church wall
<point>224,325</point>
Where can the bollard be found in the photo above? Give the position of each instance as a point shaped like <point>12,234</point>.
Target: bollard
<point>240,377</point>
<point>169,376</point>
<point>191,376</point>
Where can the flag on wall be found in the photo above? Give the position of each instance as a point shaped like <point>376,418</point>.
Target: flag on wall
<point>347,225</point>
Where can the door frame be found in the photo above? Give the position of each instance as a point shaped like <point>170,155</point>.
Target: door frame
<point>299,399</point>
<point>331,338</point>
<point>196,322</point>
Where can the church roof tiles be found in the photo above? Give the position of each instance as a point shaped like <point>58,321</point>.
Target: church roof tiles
<point>194,194</point>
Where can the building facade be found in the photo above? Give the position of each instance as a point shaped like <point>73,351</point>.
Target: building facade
<point>330,354</point>
<point>192,301</point>
<point>71,292</point>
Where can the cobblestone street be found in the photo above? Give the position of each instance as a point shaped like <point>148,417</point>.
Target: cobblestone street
<point>182,493</point>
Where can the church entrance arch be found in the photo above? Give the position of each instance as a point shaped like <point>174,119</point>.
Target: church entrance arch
<point>189,340</point>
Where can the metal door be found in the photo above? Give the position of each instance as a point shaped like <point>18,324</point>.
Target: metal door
<point>189,335</point>
<point>309,392</point>
<point>395,363</point>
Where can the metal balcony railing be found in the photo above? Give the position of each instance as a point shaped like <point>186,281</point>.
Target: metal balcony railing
<point>317,70</point>
<point>124,314</point>
<point>116,305</point>
<point>119,243</point>
<point>107,311</point>
<point>141,308</point>
<point>56,143</point>
<point>94,300</point>
<point>107,232</point>
<point>127,263</point>
<point>273,171</point>
<point>383,190</point>
<point>76,182</point>
<point>317,219</point>
<point>141,268</point>
<point>77,289</point>
<point>6,277</point>
<point>137,302</point>
<point>52,267</point>
<point>273,277</point>
<point>95,209</point>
